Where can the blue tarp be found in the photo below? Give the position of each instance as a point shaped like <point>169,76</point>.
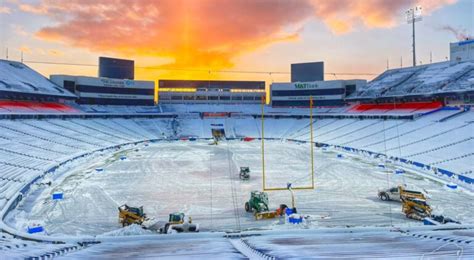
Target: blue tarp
<point>57,196</point>
<point>466,179</point>
<point>418,164</point>
<point>446,172</point>
<point>37,229</point>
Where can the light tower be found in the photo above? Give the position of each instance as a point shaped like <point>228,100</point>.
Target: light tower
<point>413,16</point>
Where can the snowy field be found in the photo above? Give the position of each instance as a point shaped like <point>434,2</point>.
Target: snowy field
<point>202,181</point>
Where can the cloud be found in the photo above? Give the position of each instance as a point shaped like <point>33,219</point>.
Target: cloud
<point>343,16</point>
<point>19,30</point>
<point>34,9</point>
<point>5,10</point>
<point>204,33</point>
<point>25,49</point>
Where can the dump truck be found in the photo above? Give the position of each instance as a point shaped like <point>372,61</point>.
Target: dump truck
<point>177,223</point>
<point>398,193</point>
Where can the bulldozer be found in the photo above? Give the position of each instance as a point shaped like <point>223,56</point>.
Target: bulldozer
<point>178,224</point>
<point>258,204</point>
<point>418,209</point>
<point>415,208</point>
<point>131,215</point>
<point>399,193</point>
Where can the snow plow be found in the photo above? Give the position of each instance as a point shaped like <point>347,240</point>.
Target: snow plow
<point>178,224</point>
<point>399,193</point>
<point>258,204</point>
<point>415,208</point>
<point>131,215</point>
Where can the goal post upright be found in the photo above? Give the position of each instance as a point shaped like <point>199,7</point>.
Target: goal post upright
<point>311,139</point>
<point>264,186</point>
<point>263,143</point>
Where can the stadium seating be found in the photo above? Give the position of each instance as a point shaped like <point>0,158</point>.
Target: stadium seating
<point>7,106</point>
<point>409,107</point>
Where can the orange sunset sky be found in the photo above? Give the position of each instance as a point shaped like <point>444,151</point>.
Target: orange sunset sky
<point>350,36</point>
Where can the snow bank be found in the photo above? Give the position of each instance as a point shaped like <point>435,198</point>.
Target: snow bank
<point>131,230</point>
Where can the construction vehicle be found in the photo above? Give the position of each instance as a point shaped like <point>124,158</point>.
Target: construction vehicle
<point>418,209</point>
<point>244,173</point>
<point>415,208</point>
<point>178,224</point>
<point>398,193</point>
<point>258,204</point>
<point>218,134</point>
<point>131,215</point>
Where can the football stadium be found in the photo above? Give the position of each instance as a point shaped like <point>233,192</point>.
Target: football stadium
<point>111,166</point>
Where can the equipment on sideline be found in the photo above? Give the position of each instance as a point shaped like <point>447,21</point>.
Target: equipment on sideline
<point>131,215</point>
<point>244,173</point>
<point>398,193</point>
<point>258,203</point>
<point>415,208</point>
<point>414,205</point>
<point>178,224</point>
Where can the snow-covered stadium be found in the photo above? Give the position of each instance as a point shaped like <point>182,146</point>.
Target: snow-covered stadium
<point>67,168</point>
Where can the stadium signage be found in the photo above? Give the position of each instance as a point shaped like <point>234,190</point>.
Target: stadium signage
<point>117,83</point>
<point>305,85</point>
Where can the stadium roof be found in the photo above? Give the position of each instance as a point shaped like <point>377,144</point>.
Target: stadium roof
<point>433,79</point>
<point>17,78</point>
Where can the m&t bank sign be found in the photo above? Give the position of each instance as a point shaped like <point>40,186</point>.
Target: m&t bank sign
<point>305,85</point>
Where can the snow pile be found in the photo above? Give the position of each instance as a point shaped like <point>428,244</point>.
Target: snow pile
<point>131,230</point>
